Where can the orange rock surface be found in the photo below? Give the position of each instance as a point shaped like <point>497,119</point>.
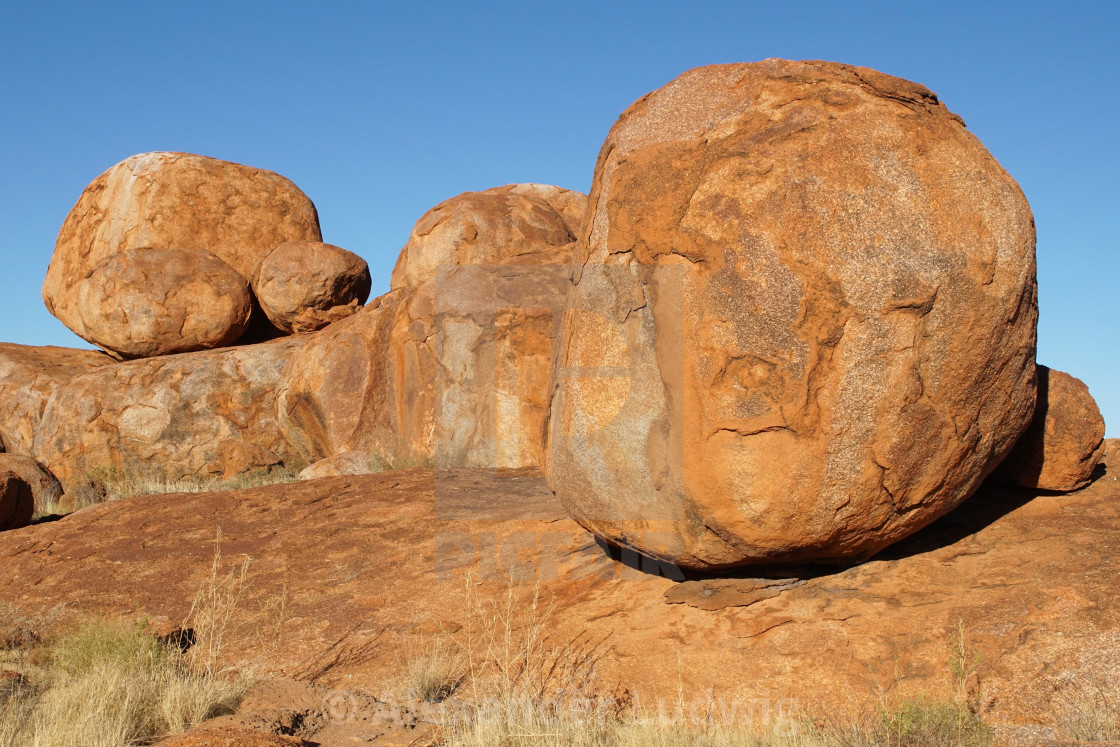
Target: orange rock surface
<point>303,286</point>
<point>139,303</point>
<point>1065,440</point>
<point>191,416</point>
<point>28,377</point>
<point>367,569</point>
<point>803,324</point>
<point>175,201</point>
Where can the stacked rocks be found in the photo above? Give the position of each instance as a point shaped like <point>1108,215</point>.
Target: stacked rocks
<point>164,253</point>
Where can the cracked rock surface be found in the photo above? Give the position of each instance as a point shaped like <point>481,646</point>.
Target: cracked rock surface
<point>377,564</point>
<point>803,320</point>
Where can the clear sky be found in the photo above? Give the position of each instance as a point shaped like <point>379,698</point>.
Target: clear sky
<point>379,111</point>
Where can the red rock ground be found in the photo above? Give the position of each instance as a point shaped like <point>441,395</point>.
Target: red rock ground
<point>349,575</point>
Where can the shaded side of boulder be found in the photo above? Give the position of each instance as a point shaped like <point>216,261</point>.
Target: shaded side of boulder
<point>193,416</point>
<point>803,319</point>
<point>522,224</point>
<point>17,504</point>
<point>1065,440</point>
<point>143,302</point>
<point>175,201</point>
<point>303,286</point>
<point>46,490</point>
<point>28,377</point>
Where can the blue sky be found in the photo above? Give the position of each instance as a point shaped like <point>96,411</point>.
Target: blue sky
<point>379,111</point>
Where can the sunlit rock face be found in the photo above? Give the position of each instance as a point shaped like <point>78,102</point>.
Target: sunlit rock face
<point>803,319</point>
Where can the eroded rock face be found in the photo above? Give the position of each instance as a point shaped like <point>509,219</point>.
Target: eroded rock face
<point>454,371</point>
<point>139,303</point>
<point>518,224</point>
<point>16,501</point>
<point>175,201</point>
<point>45,487</point>
<point>305,285</point>
<point>191,416</point>
<point>1065,440</point>
<point>803,323</point>
<point>28,377</point>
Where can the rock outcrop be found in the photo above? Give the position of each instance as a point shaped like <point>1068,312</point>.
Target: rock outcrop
<point>518,224</point>
<point>191,416</point>
<point>45,487</point>
<point>139,303</point>
<point>28,377</point>
<point>303,286</point>
<point>455,369</point>
<point>17,503</point>
<point>175,201</point>
<point>803,324</point>
<point>1065,440</point>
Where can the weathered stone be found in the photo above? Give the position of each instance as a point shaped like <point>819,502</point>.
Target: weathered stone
<point>453,366</point>
<point>185,417</point>
<point>305,285</point>
<point>17,504</point>
<point>346,463</point>
<point>175,201</point>
<point>1065,440</point>
<point>45,487</point>
<point>518,224</point>
<point>28,377</point>
<point>803,323</point>
<point>139,303</point>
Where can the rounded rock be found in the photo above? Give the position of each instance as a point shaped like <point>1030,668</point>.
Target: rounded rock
<point>803,319</point>
<point>140,303</point>
<point>303,286</point>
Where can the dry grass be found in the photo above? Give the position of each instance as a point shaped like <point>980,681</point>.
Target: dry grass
<point>104,682</point>
<point>100,486</point>
<point>515,686</point>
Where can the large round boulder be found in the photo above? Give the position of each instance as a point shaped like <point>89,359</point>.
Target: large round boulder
<point>303,286</point>
<point>803,319</point>
<point>139,303</point>
<point>518,224</point>
<point>175,201</point>
<point>1065,440</point>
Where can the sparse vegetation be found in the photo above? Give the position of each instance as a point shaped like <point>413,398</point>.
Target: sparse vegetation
<point>103,485</point>
<point>111,682</point>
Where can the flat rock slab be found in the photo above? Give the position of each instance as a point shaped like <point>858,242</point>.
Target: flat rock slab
<point>366,568</point>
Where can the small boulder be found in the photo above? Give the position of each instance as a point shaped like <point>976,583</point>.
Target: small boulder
<point>17,504</point>
<point>28,377</point>
<point>140,303</point>
<point>177,201</point>
<point>347,463</point>
<point>303,286</point>
<point>45,487</point>
<point>1065,440</point>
